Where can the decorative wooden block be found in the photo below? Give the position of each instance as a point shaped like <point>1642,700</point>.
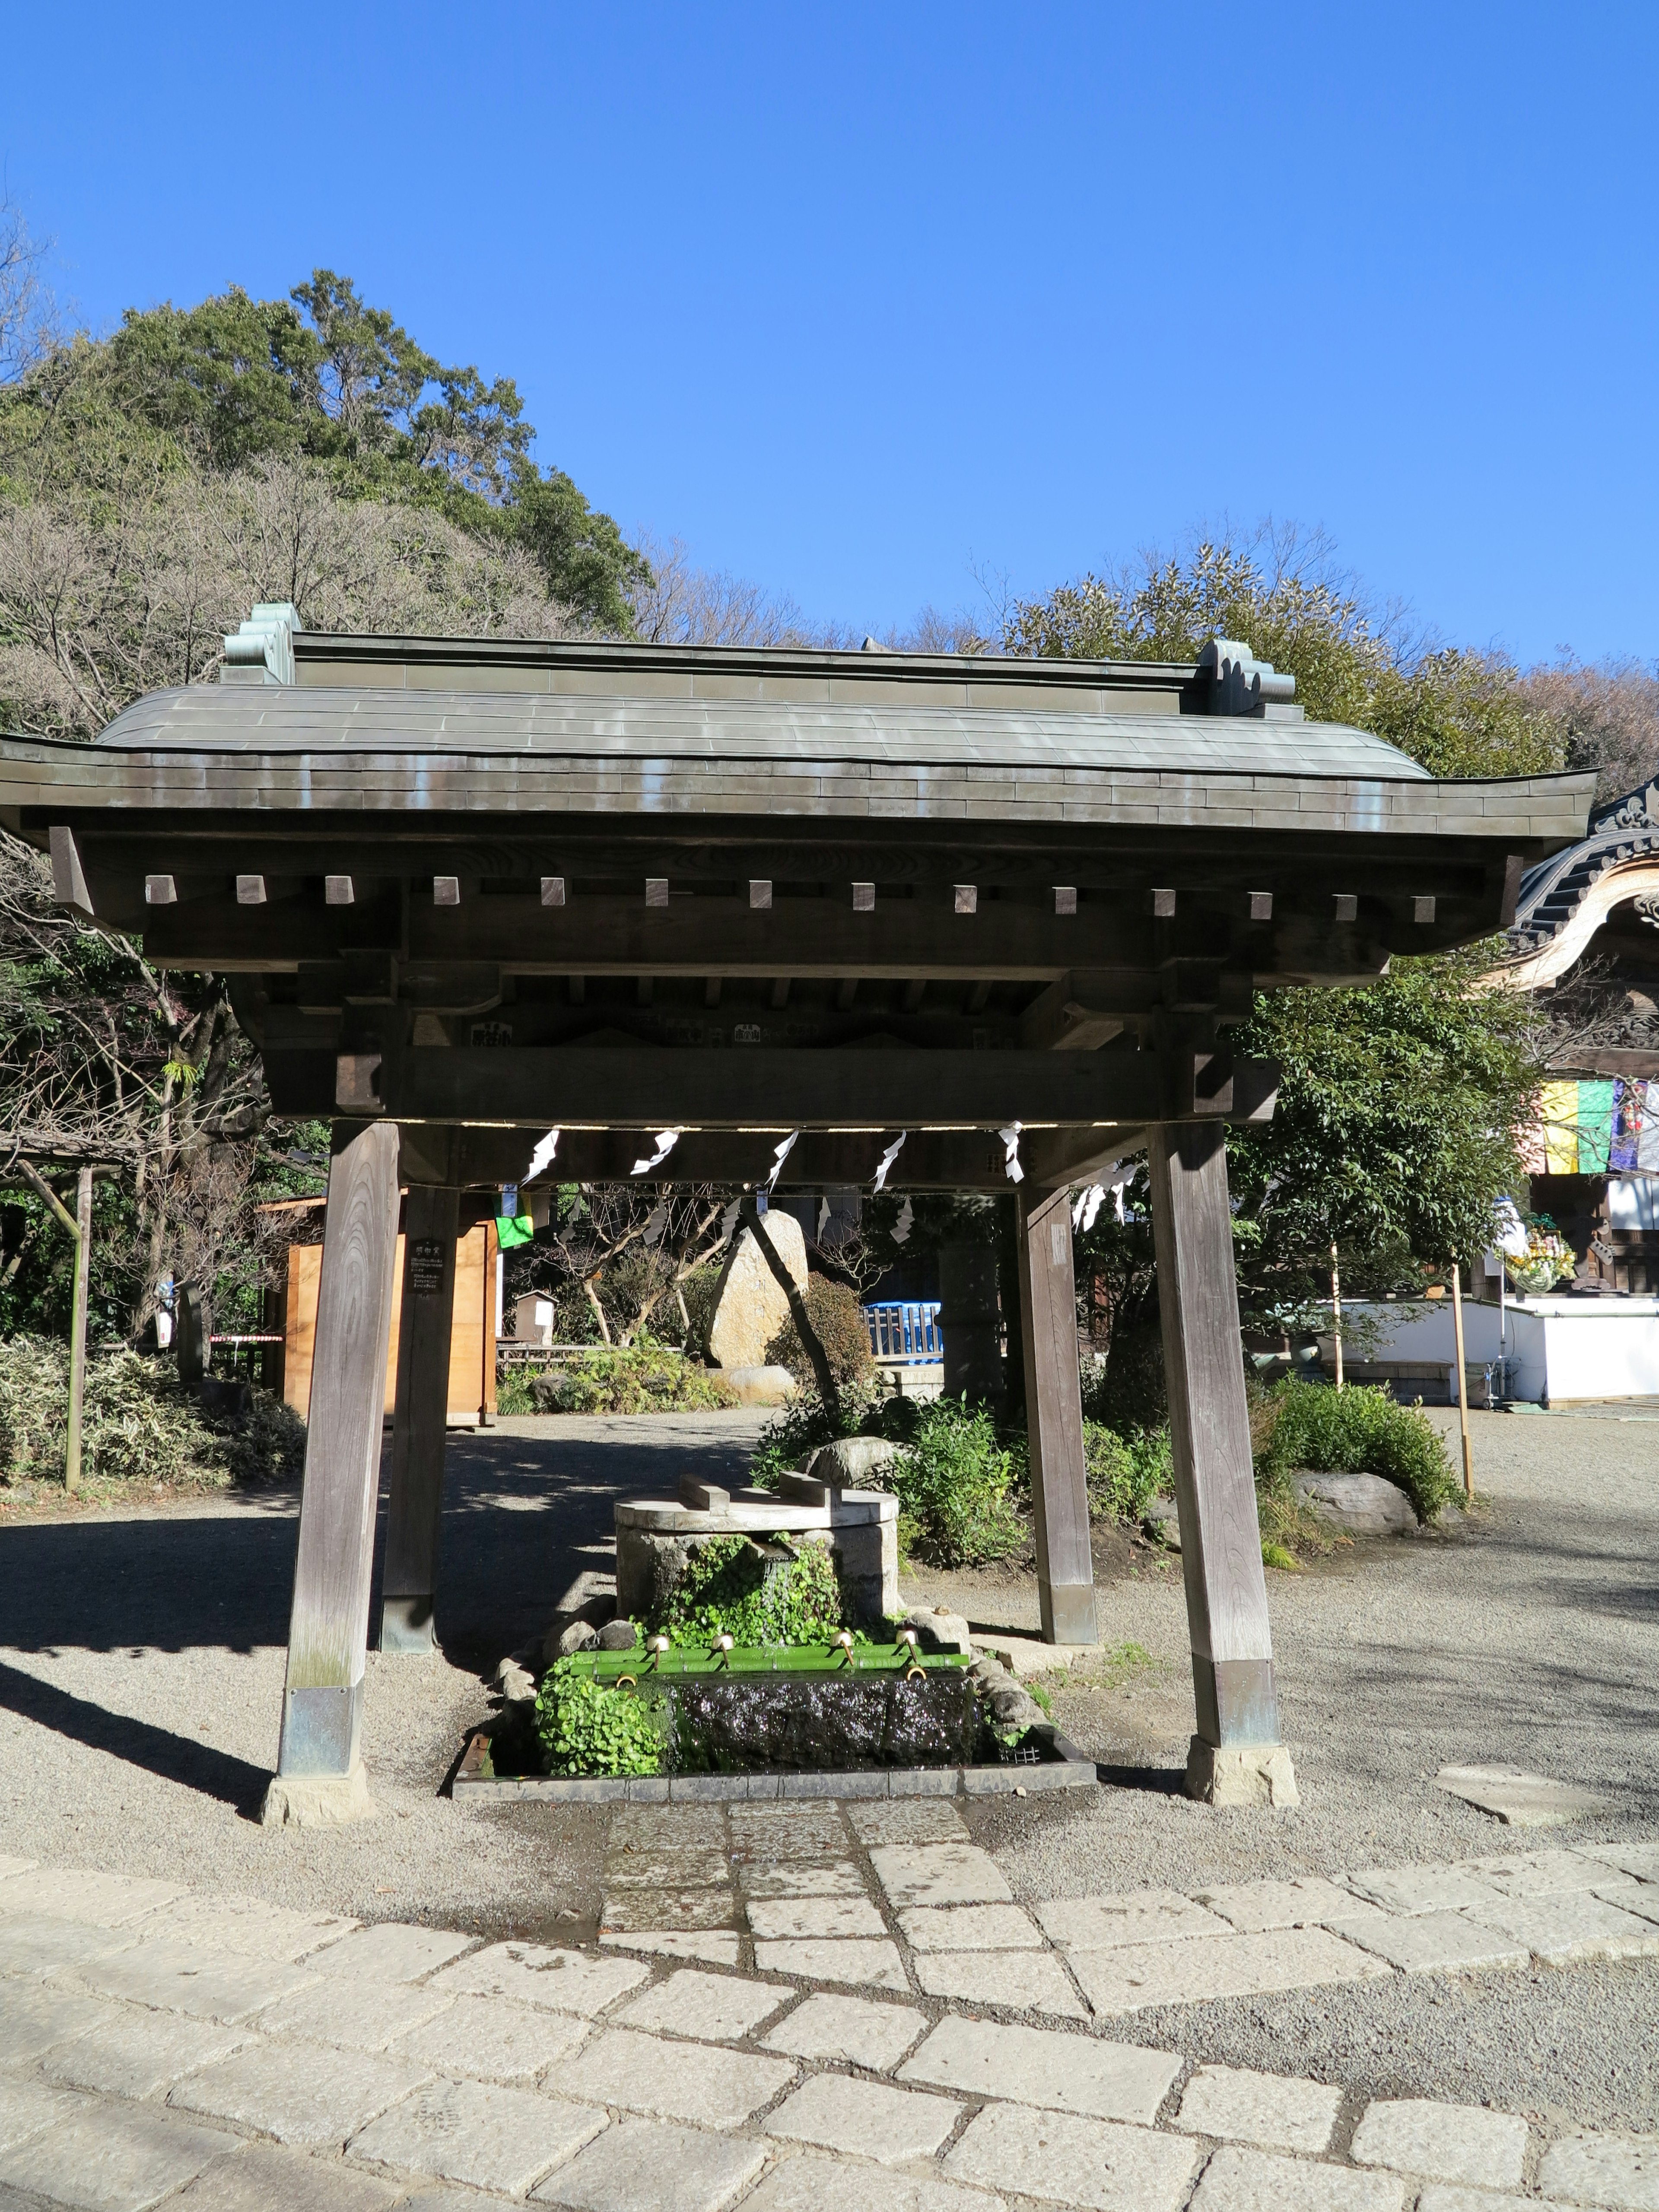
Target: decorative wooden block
<point>1346,906</point>
<point>1161,904</point>
<point>967,898</point>
<point>445,890</point>
<point>1262,906</point>
<point>1065,898</point>
<point>760,892</point>
<point>1423,909</point>
<point>864,898</point>
<point>656,891</point>
<point>250,890</point>
<point>337,891</point>
<point>160,891</point>
<point>552,891</point>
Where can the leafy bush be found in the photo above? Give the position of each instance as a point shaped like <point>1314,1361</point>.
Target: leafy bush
<point>805,1423</point>
<point>1125,1472</point>
<point>138,1424</point>
<point>732,1588</point>
<point>837,1316</point>
<point>641,1377</point>
<point>1352,1432</point>
<point>952,1480</point>
<point>587,1729</point>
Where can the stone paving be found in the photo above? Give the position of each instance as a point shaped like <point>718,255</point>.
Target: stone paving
<point>785,2011</point>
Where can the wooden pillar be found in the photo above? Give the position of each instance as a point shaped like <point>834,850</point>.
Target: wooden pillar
<point>1236,1755</point>
<point>77,1374</point>
<point>328,1633</point>
<point>1054,1417</point>
<point>415,1509</point>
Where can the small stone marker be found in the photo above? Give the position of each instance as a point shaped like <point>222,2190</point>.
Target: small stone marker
<point>702,1496</point>
<point>1523,1800</point>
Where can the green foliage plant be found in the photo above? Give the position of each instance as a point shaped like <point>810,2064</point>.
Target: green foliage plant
<point>587,1729</point>
<point>1358,1430</point>
<point>641,1377</point>
<point>952,1480</point>
<point>834,1312</point>
<point>731,1587</point>
<point>1124,1471</point>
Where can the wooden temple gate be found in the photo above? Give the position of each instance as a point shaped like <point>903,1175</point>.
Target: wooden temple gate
<point>470,891</point>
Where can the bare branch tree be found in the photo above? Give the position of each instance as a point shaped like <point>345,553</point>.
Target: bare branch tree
<point>28,326</point>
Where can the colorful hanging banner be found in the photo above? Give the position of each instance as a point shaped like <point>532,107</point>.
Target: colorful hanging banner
<point>1559,1111</point>
<point>1628,1099</point>
<point>1595,1124</point>
<point>1647,1144</point>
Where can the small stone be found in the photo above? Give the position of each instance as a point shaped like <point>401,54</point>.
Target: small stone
<point>1240,1774</point>
<point>1432,1887</point>
<point>1082,2162</point>
<point>939,1629</point>
<point>1523,1800</point>
<point>491,2041</point>
<point>1566,1928</point>
<point>265,2177</point>
<point>358,2015</point>
<point>1024,1981</point>
<point>781,1917</point>
<point>864,2119</point>
<point>1442,2143</point>
<point>713,2008</point>
<point>32,2019</point>
<point>301,2092</point>
<point>182,1978</point>
<point>849,2030</point>
<point>316,1801</point>
<point>812,2184</point>
<point>479,2133</point>
<point>1137,1915</point>
<point>1036,2066</point>
<point>110,2156</point>
<point>853,1463</point>
<point>619,1635</point>
<point>1253,1907</point>
<point>516,1683</point>
<point>132,2053</point>
<point>1432,1943</point>
<point>1271,2110</point>
<point>391,1951</point>
<point>702,2085</point>
<point>940,1874</point>
<point>537,1974</point>
<point>1229,1967</point>
<point>1238,2181</point>
<point>877,1965</point>
<point>577,1636</point>
<point>1014,1708</point>
<point>908,1820</point>
<point>968,1928</point>
<point>1621,2170</point>
<point>650,2165</point>
<point>1359,1504</point>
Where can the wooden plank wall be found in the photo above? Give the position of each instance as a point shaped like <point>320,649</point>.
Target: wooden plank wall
<point>472,1337</point>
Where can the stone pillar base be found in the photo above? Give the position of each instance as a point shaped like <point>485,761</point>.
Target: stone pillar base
<point>1240,1774</point>
<point>317,1800</point>
<point>406,1625</point>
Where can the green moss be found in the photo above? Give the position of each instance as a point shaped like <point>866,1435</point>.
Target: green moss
<point>587,1729</point>
<point>1275,1555</point>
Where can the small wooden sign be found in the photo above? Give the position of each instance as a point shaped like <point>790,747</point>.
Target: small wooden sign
<point>426,1266</point>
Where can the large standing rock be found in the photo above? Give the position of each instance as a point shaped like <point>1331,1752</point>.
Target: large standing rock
<point>1359,1504</point>
<point>750,1306</point>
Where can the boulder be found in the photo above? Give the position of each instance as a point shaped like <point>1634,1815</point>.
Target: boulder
<point>854,1463</point>
<point>619,1635</point>
<point>575,1636</point>
<point>1162,1523</point>
<point>750,1307</point>
<point>939,1629</point>
<point>1359,1504</point>
<point>761,1386</point>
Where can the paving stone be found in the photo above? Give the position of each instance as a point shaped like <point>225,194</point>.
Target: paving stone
<point>357,2015</point>
<point>1641,1898</point>
<point>677,2080</point>
<point>133,2053</point>
<point>908,1820</point>
<point>104,1900</point>
<point>391,1951</point>
<point>32,1943</point>
<point>1568,1927</point>
<point>1274,2111</point>
<point>627,1909</point>
<point>790,1831</point>
<point>675,1943</point>
<point>877,1965</point>
<point>865,2119</point>
<point>1442,2143</point>
<point>1074,2162</point>
<point>876,2036</point>
<point>1615,2170</point>
<point>776,1917</point>
<point>111,2158</point>
<point>1539,1874</point>
<point>479,2133</point>
<point>1452,2197</point>
<point>490,2040</point>
<point>668,1827</point>
<point>714,2007</point>
<point>650,2165</point>
<point>301,2092</point>
<point>1523,1800</point>
<point>1025,1981</point>
<point>1253,1907</point>
<point>828,1878</point>
<point>1035,2066</point>
<point>265,2177</point>
<point>1238,2181</point>
<point>540,1974</point>
<point>31,2019</point>
<point>1433,1943</point>
<point>246,1925</point>
<point>25,2107</point>
<point>175,1977</point>
<point>1433,1887</point>
<point>10,1866</point>
<point>1226,1966</point>
<point>632,1867</point>
<point>811,2184</point>
<point>969,1928</point>
<point>939,1874</point>
<point>1141,1915</point>
<point>1640,1861</point>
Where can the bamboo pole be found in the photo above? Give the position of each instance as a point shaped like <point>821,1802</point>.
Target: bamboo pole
<point>1336,1312</point>
<point>77,1377</point>
<point>1462,1378</point>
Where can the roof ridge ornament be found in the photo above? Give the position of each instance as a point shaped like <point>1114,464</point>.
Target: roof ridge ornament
<point>262,650</point>
<point>1239,682</point>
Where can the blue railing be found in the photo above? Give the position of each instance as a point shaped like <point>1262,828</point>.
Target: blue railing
<point>906,1329</point>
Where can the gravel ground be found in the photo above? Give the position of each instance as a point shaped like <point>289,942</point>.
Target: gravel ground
<point>141,1669</point>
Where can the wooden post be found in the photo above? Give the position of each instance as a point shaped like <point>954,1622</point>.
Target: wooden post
<point>1336,1312</point>
<point>1462,1378</point>
<point>415,1509</point>
<point>318,1774</point>
<point>1236,1757</point>
<point>77,1374</point>
<point>1054,1416</point>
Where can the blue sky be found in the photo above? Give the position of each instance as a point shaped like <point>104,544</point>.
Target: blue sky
<point>860,299</point>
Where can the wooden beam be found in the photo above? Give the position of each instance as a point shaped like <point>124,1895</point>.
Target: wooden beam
<point>328,1633</point>
<point>69,878</point>
<point>1054,1416</point>
<point>1215,1485</point>
<point>409,1579</point>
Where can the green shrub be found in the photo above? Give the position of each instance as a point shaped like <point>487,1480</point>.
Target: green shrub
<point>805,1423</point>
<point>837,1316</point>
<point>1352,1432</point>
<point>641,1377</point>
<point>585,1729</point>
<point>732,1588</point>
<point>1125,1472</point>
<point>953,1480</point>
